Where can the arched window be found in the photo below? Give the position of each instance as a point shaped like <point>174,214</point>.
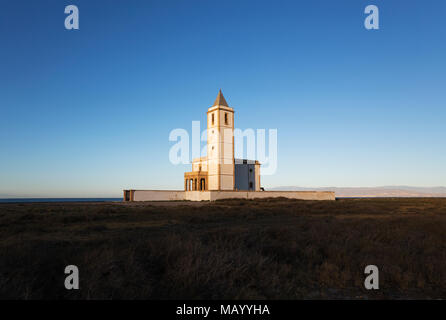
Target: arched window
<point>195,186</point>
<point>212,119</point>
<point>203,184</point>
<point>226,118</point>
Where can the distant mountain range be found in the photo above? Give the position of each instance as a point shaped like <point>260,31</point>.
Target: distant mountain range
<point>386,191</point>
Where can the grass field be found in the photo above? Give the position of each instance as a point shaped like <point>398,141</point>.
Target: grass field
<point>232,249</point>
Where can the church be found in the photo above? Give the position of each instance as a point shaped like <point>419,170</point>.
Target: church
<point>218,175</point>
<point>219,170</point>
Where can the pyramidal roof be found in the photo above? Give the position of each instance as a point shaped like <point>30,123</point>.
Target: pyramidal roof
<point>220,101</point>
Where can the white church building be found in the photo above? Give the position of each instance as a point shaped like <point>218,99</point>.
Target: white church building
<point>218,175</point>
<point>219,170</point>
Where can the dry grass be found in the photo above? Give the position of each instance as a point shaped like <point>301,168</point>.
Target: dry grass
<point>232,249</point>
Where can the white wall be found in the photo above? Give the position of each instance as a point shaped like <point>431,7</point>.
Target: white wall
<point>298,195</point>
<point>197,195</point>
<point>167,195</point>
<point>158,195</point>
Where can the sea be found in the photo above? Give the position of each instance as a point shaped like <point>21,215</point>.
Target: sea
<point>30,200</point>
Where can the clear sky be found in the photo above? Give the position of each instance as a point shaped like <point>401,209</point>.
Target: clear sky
<point>88,112</point>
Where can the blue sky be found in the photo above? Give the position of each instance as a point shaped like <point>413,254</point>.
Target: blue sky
<point>89,112</point>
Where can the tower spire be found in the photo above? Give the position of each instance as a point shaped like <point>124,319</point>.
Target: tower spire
<point>220,100</point>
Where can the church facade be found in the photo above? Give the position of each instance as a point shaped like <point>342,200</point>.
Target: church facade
<point>219,175</point>
<point>219,170</point>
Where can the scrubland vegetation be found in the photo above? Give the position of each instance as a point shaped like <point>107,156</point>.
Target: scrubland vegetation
<point>232,249</point>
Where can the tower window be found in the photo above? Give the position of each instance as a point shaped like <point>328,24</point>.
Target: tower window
<point>212,119</point>
<point>226,118</point>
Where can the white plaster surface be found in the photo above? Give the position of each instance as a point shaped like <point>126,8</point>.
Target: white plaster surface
<point>172,195</point>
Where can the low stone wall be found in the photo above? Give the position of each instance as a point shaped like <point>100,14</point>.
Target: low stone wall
<point>168,195</point>
<point>197,195</point>
<point>218,195</point>
<point>300,195</point>
<point>158,195</point>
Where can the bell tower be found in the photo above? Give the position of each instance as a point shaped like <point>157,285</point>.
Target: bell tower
<point>220,145</point>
